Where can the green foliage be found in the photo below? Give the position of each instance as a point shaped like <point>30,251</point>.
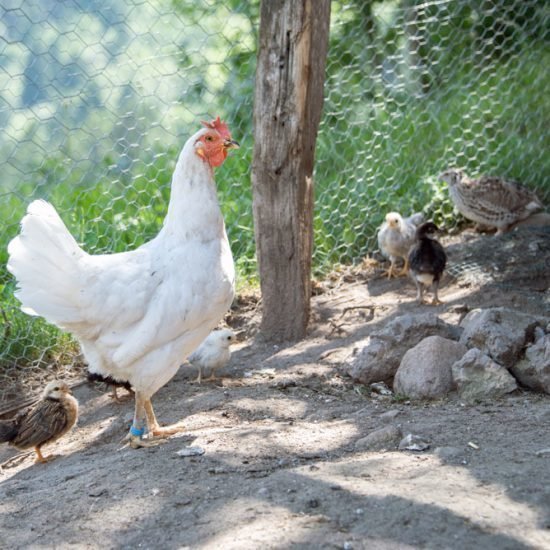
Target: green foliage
<point>411,88</point>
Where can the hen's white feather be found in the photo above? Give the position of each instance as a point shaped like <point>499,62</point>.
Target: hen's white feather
<point>136,314</point>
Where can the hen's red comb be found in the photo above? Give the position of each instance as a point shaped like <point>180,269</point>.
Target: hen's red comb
<point>219,126</point>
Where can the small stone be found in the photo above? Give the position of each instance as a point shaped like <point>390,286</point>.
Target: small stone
<point>380,440</point>
<point>190,451</point>
<point>543,452</point>
<point>100,491</point>
<point>413,442</point>
<point>380,388</point>
<point>313,503</point>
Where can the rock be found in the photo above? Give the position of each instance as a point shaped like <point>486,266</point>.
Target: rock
<point>533,371</point>
<point>413,442</point>
<point>540,219</point>
<point>377,358</point>
<point>478,377</point>
<point>499,332</point>
<point>383,439</point>
<point>389,416</point>
<point>425,371</point>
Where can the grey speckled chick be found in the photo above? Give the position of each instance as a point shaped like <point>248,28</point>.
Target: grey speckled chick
<point>213,353</point>
<point>395,238</point>
<point>489,200</point>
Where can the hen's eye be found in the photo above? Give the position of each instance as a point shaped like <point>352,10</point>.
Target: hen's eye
<point>209,138</point>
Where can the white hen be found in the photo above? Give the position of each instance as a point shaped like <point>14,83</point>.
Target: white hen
<point>213,353</point>
<point>395,238</point>
<point>137,313</point>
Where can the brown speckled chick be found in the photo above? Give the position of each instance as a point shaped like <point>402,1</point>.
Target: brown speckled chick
<point>490,200</point>
<point>51,418</point>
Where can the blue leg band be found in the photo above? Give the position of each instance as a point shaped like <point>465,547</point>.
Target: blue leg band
<point>136,432</point>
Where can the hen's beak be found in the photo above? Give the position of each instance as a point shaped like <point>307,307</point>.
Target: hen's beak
<point>231,144</point>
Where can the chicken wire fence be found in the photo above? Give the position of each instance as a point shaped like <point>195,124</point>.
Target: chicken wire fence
<point>98,96</point>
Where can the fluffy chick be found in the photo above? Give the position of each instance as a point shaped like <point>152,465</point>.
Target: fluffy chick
<point>52,417</point>
<point>427,260</point>
<point>213,353</point>
<point>489,200</point>
<point>395,238</point>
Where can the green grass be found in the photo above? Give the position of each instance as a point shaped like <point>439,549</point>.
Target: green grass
<point>382,155</point>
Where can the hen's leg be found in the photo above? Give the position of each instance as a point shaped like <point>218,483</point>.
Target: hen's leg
<point>154,428</point>
<point>138,429</point>
<point>405,269</point>
<point>118,398</point>
<point>389,271</point>
<point>40,458</point>
<point>436,301</point>
<point>419,291</point>
<point>199,376</point>
<point>212,377</point>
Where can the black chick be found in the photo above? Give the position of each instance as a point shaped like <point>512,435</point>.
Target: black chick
<point>112,382</point>
<point>52,417</point>
<point>427,261</point>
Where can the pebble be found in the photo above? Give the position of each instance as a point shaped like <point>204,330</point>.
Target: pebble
<point>190,451</point>
<point>413,442</point>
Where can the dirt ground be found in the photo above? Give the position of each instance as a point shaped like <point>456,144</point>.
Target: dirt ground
<point>280,468</point>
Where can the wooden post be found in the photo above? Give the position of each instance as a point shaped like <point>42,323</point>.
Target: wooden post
<point>288,102</point>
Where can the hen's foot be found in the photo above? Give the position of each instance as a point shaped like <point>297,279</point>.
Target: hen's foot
<point>41,459</point>
<point>137,442</point>
<point>166,431</point>
<point>119,398</point>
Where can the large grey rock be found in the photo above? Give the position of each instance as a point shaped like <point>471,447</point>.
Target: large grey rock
<point>425,370</point>
<point>533,371</point>
<point>478,377</point>
<point>377,358</point>
<point>383,439</point>
<point>499,332</point>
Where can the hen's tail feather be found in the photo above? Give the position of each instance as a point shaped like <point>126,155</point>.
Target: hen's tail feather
<point>44,260</point>
<point>8,430</point>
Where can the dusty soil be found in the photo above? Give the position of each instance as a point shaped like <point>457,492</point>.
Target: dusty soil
<point>280,468</point>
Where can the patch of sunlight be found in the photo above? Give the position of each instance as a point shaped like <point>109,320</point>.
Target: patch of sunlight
<point>424,479</point>
<point>273,407</point>
<point>318,437</point>
<point>248,523</point>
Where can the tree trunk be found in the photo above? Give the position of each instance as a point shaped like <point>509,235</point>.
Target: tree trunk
<point>287,109</point>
